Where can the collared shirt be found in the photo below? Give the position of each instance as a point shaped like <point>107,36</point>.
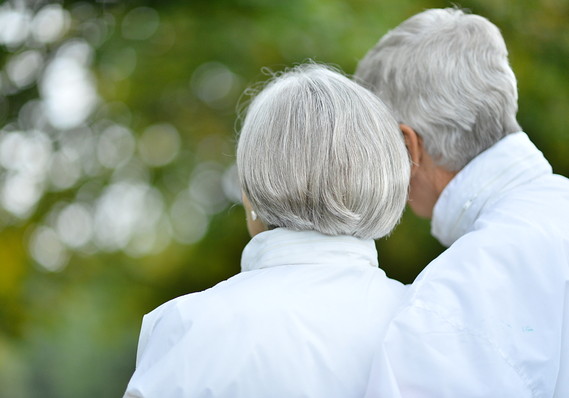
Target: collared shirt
<point>300,320</point>
<point>490,316</point>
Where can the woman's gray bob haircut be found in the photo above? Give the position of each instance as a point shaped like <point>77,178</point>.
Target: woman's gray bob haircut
<point>446,74</point>
<point>319,152</point>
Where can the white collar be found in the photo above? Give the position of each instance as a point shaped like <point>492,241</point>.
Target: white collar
<point>286,247</point>
<point>512,161</point>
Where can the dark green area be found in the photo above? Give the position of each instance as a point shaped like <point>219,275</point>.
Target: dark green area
<point>73,333</point>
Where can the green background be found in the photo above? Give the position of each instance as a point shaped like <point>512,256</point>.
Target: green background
<point>70,316</point>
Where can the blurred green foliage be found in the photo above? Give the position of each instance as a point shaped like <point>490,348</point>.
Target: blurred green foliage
<point>70,310</point>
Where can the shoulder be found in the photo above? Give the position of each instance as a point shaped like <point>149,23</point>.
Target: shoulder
<point>167,317</point>
<point>544,200</point>
<point>496,295</point>
<point>170,321</point>
<point>507,261</point>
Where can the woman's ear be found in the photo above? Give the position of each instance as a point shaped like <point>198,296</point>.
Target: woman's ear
<point>254,225</point>
<point>414,145</point>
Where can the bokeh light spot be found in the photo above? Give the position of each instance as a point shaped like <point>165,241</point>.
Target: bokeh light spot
<point>116,146</point>
<point>20,194</point>
<point>47,250</point>
<point>126,210</point>
<point>68,87</point>
<point>50,23</point>
<point>15,25</point>
<point>159,144</point>
<point>74,225</point>
<point>64,171</point>
<point>26,152</point>
<point>213,83</point>
<point>230,184</point>
<point>206,188</point>
<point>189,222</point>
<point>23,68</point>
<point>140,23</point>
<point>32,116</point>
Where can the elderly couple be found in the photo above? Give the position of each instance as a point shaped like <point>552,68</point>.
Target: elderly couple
<point>325,168</point>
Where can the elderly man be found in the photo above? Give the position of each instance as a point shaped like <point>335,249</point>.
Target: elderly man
<point>490,316</point>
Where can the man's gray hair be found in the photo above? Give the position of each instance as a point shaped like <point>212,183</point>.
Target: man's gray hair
<point>319,152</point>
<point>446,74</point>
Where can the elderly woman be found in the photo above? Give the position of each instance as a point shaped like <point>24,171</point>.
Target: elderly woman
<point>324,171</point>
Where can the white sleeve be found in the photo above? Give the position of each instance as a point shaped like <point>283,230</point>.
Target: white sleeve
<point>425,356</point>
<point>152,347</point>
<point>148,323</point>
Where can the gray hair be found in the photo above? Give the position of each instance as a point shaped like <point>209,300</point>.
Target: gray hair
<point>319,152</point>
<point>446,74</point>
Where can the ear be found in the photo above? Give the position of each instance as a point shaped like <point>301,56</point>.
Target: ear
<point>414,144</point>
<point>254,225</point>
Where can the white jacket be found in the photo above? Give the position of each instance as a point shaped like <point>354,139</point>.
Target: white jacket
<point>490,316</point>
<point>301,320</point>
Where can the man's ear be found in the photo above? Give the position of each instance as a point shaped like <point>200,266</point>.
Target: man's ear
<point>414,145</point>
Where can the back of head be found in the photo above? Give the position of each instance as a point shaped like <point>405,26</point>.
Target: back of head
<point>319,152</point>
<point>446,74</point>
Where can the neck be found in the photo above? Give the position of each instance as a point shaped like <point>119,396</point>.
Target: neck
<point>427,184</point>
